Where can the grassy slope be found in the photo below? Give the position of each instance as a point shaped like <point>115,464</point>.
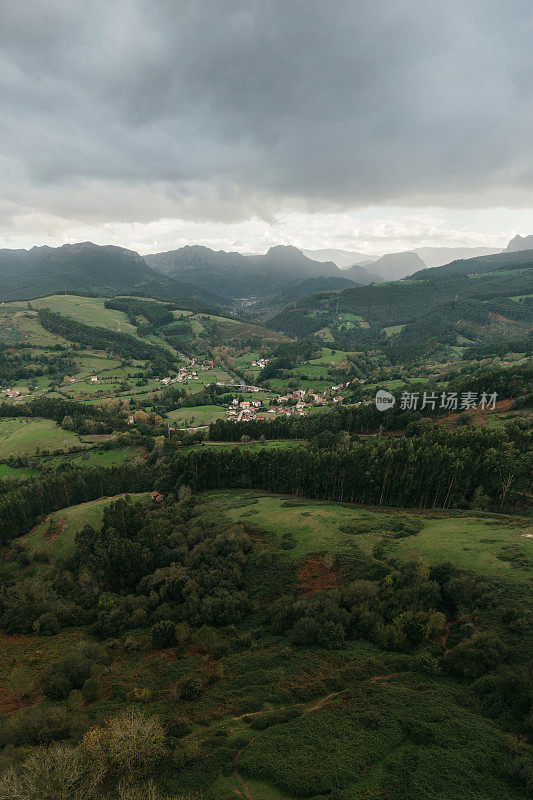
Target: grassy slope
<point>89,310</point>
<point>196,415</point>
<point>20,436</point>
<point>470,543</point>
<point>68,521</point>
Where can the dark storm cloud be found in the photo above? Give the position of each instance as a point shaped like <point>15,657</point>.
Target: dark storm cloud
<point>129,110</point>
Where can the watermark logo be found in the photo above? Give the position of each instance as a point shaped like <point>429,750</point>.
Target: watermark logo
<point>445,401</point>
<point>384,400</point>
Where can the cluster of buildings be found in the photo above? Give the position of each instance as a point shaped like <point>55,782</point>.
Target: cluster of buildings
<point>295,403</point>
<point>244,410</point>
<point>187,373</point>
<point>11,393</point>
<point>260,363</point>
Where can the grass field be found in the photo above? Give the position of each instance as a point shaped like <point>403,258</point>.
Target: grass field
<point>95,457</point>
<point>279,444</point>
<point>22,437</point>
<point>19,473</point>
<point>392,329</point>
<point>89,310</point>
<point>313,525</point>
<point>473,544</point>
<point>56,534</point>
<point>196,416</point>
<point>328,356</point>
<point>468,542</point>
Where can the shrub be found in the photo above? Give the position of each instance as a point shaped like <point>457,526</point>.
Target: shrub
<point>475,656</point>
<point>91,690</point>
<point>190,688</point>
<point>163,634</point>
<point>185,752</point>
<point>20,683</point>
<point>54,773</point>
<point>57,687</point>
<point>39,725</point>
<point>130,744</point>
<point>46,625</point>
<point>75,700</point>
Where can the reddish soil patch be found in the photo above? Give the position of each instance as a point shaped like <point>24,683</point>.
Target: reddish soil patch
<point>60,526</point>
<point>499,318</point>
<point>314,575</point>
<point>379,678</point>
<point>9,703</point>
<point>394,433</point>
<point>478,414</point>
<point>247,793</point>
<point>320,703</point>
<point>447,633</point>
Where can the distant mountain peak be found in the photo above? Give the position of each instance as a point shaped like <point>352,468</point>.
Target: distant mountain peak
<point>518,243</point>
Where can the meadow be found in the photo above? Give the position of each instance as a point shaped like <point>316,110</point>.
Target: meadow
<point>24,437</point>
<point>55,535</point>
<point>484,544</point>
<point>89,310</point>
<point>196,416</point>
<point>96,457</point>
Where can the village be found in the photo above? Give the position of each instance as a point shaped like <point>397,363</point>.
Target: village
<point>296,403</point>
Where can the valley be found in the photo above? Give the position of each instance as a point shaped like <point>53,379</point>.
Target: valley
<point>214,545</point>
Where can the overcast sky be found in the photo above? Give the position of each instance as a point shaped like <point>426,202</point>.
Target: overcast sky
<point>370,125</point>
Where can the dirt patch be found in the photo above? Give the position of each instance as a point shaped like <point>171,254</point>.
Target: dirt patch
<point>478,414</point>
<point>499,318</point>
<point>314,575</point>
<point>52,532</point>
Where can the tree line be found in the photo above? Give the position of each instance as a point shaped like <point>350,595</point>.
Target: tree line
<point>435,468</point>
<point>104,339</point>
<point>57,409</point>
<point>20,508</point>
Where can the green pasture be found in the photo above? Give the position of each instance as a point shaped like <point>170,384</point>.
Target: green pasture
<point>479,544</point>
<point>20,436</point>
<point>88,310</point>
<point>95,457</point>
<point>56,534</point>
<point>196,415</point>
<point>19,473</point>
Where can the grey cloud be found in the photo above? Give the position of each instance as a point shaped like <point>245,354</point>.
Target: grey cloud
<point>131,111</point>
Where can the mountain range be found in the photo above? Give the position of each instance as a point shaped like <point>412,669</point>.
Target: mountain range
<point>87,267</point>
<point>236,275</point>
<point>221,278</point>
<point>519,243</point>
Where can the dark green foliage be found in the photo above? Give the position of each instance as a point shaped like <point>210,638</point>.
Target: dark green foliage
<point>40,725</point>
<point>269,718</point>
<point>431,467</point>
<point>58,410</point>
<point>157,314</point>
<point>104,339</point>
<point>190,688</point>
<point>477,655</point>
<point>163,634</point>
<point>20,507</point>
<point>506,693</point>
<point>91,690</point>
<point>75,670</point>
